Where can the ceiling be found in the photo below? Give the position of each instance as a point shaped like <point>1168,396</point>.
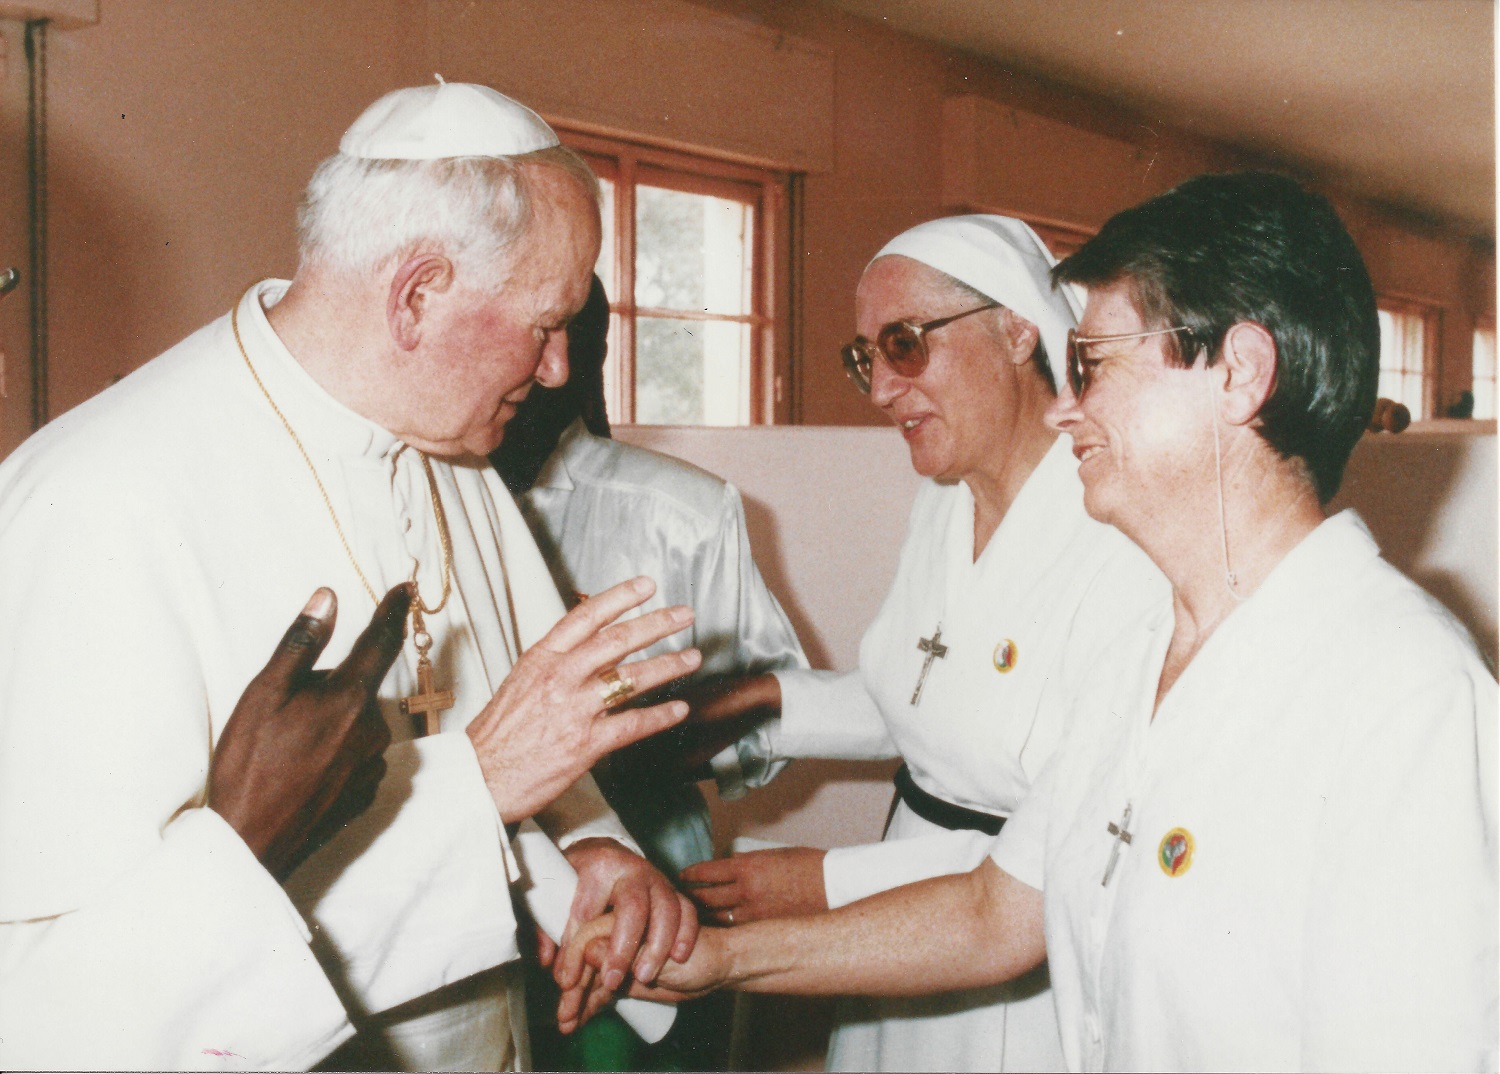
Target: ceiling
<point>1393,99</point>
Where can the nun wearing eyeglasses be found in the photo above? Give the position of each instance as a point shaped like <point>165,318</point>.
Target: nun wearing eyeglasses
<point>1003,580</point>
<point>1269,841</point>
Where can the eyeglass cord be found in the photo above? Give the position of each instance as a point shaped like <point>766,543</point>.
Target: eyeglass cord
<point>1230,581</point>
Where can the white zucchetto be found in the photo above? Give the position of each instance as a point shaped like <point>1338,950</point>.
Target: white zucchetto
<point>449,119</point>
<point>1003,259</point>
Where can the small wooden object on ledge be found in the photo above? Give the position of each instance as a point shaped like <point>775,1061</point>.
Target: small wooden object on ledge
<point>1389,416</point>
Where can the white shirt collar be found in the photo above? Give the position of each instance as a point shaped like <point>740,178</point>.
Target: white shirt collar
<point>323,424</point>
<point>555,474</point>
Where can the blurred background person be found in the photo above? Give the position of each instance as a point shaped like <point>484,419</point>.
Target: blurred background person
<point>602,511</point>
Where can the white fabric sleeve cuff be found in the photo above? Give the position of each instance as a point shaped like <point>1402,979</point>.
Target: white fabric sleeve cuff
<point>1020,848</point>
<point>414,893</point>
<point>193,960</point>
<point>828,714</point>
<point>581,812</point>
<point>750,762</point>
<point>729,773</point>
<point>854,873</point>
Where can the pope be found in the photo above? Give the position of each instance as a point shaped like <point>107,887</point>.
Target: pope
<point>208,858</point>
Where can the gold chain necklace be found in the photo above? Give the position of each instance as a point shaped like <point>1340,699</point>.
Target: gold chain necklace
<point>428,701</point>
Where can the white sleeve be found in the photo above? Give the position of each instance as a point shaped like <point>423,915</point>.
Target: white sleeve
<point>829,714</point>
<point>581,812</point>
<point>1399,969</point>
<point>413,894</point>
<point>1021,847</point>
<point>852,873</point>
<point>741,629</point>
<point>192,960</point>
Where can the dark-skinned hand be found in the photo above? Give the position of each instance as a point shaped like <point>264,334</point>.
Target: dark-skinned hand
<point>301,755</point>
<point>721,711</point>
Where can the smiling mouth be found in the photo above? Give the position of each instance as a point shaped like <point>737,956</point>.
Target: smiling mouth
<point>908,424</point>
<point>1084,454</point>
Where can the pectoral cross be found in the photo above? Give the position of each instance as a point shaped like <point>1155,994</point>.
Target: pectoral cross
<point>428,701</point>
<point>935,650</point>
<point>1121,832</point>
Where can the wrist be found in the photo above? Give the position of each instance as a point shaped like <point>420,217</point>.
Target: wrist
<point>493,776</point>
<point>767,695</point>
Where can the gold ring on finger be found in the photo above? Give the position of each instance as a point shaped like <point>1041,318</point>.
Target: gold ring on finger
<point>614,687</point>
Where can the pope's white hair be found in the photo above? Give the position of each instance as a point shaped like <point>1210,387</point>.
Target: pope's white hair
<point>361,215</point>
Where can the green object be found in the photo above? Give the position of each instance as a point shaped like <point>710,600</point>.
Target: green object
<point>698,1040</point>
<point>605,1043</point>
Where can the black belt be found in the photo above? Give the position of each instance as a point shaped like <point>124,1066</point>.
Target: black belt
<point>955,818</point>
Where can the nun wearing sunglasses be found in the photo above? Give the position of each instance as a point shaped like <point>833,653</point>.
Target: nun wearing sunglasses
<point>1003,583</point>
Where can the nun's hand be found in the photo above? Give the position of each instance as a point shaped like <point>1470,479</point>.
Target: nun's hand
<point>785,882</point>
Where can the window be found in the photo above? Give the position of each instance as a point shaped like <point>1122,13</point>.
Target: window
<point>1408,335</point>
<point>687,261</point>
<point>1484,371</point>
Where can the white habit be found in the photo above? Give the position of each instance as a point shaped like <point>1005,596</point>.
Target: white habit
<point>603,512</point>
<point>1051,589</point>
<point>155,544</point>
<point>1310,878</point>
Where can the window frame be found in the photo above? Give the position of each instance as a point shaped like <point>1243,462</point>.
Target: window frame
<point>1485,325</point>
<point>625,163</point>
<point>1431,316</point>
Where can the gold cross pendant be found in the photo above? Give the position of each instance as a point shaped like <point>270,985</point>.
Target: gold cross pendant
<point>428,701</point>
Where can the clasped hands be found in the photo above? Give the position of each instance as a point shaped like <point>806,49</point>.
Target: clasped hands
<point>732,891</point>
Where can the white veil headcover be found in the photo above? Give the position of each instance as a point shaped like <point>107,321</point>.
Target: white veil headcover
<point>1002,259</point>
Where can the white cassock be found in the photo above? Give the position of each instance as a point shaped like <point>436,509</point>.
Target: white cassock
<point>603,512</point>
<point>1310,878</point>
<point>1051,588</point>
<point>155,544</point>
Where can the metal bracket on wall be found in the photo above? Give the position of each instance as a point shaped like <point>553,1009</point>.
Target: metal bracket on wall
<point>36,164</point>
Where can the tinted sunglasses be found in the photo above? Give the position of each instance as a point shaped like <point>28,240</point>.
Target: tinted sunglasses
<point>901,343</point>
<point>1081,364</point>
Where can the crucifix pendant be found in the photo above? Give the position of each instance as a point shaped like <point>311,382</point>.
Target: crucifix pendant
<point>428,702</point>
<point>1121,832</point>
<point>935,650</point>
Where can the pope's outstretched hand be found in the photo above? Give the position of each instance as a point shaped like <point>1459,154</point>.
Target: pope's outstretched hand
<point>301,753</point>
<point>553,717</point>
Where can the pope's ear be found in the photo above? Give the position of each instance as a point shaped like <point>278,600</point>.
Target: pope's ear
<point>414,284</point>
<point>1248,362</point>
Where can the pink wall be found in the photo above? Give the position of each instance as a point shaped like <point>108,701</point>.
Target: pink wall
<point>182,134</point>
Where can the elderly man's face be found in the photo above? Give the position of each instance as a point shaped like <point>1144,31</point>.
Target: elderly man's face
<point>1142,433</point>
<point>487,348</point>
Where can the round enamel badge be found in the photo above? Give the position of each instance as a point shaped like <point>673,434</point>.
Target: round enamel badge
<point>1175,854</point>
<point>1005,656</point>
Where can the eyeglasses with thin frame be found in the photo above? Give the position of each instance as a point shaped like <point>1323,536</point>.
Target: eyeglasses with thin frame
<point>901,343</point>
<point>1081,366</point>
